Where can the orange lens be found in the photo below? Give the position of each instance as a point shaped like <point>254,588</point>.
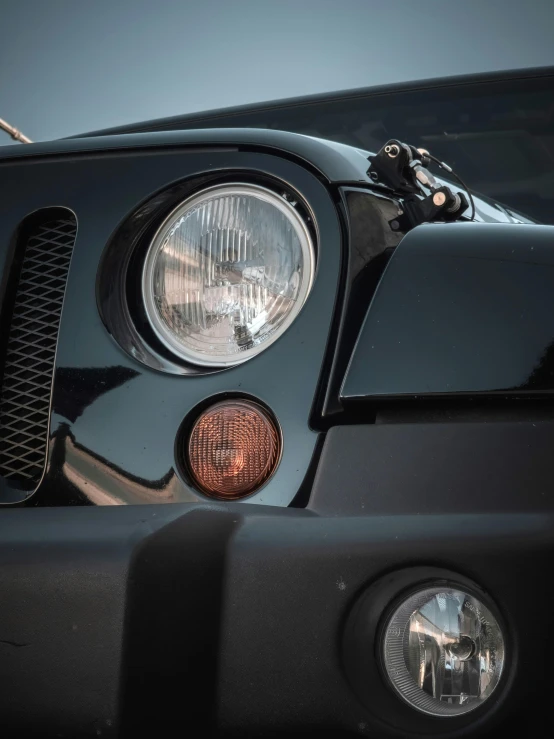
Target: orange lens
<point>233,449</point>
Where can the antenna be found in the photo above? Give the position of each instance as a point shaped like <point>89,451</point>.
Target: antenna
<point>14,133</point>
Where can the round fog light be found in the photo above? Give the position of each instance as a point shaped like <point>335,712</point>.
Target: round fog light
<point>443,651</point>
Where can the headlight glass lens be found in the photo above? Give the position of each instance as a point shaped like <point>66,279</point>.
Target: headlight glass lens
<point>443,651</point>
<point>227,273</point>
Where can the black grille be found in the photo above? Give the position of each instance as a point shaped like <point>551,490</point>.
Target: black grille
<point>31,350</point>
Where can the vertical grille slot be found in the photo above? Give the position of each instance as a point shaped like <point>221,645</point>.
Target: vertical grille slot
<point>30,349</point>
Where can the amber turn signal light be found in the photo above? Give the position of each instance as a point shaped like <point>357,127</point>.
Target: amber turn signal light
<point>234,448</point>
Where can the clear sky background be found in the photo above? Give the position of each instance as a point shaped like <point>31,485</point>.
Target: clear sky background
<point>68,66</point>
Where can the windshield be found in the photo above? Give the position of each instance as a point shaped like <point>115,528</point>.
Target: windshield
<point>498,136</point>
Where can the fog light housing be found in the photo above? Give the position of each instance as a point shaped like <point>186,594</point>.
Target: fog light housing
<point>234,447</point>
<point>443,651</point>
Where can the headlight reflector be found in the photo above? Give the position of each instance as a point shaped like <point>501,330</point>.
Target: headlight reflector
<point>227,273</point>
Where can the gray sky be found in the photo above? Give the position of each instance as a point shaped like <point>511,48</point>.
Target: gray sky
<point>68,66</point>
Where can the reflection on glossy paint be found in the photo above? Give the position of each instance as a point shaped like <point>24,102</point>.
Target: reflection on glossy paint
<point>542,376</point>
<point>461,308</point>
<point>93,480</point>
<point>75,388</point>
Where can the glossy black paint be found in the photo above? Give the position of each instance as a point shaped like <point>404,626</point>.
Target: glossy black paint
<point>370,243</point>
<point>461,308</point>
<point>114,421</point>
<point>333,161</point>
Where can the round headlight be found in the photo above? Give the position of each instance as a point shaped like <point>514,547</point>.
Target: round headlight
<point>443,651</point>
<point>227,273</point>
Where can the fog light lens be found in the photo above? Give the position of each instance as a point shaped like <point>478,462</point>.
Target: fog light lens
<point>234,448</point>
<point>443,651</point>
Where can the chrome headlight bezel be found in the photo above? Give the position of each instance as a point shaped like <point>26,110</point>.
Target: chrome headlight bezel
<point>168,338</point>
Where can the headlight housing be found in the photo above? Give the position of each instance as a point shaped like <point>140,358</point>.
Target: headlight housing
<point>227,273</point>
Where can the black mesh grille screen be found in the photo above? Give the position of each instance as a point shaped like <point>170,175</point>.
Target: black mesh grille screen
<point>31,350</point>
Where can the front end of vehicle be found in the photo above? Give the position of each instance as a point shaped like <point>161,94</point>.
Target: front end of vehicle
<point>242,323</point>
